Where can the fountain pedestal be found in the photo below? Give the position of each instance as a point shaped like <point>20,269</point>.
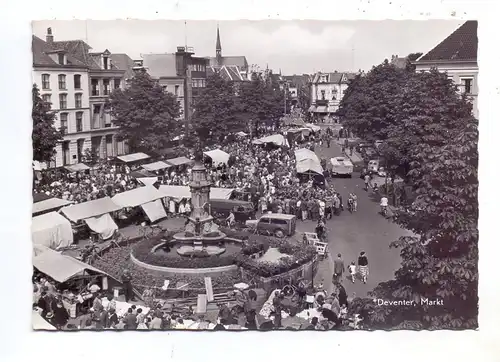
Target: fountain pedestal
<point>200,229</point>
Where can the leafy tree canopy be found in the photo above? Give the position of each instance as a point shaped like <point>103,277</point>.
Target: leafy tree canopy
<point>147,115</point>
<point>45,136</point>
<point>218,111</point>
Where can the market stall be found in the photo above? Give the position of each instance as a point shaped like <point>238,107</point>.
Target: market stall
<point>313,127</point>
<point>277,139</point>
<point>307,162</point>
<point>51,230</point>
<point>147,197</point>
<point>179,161</point>
<point>48,205</point>
<point>156,166</point>
<point>217,156</point>
<point>71,276</point>
<point>79,167</point>
<point>133,157</point>
<point>183,192</point>
<point>94,215</point>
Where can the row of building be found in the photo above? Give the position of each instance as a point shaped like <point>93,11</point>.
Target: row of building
<point>77,82</point>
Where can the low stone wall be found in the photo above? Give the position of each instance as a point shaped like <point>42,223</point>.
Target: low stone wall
<point>306,271</point>
<point>165,271</point>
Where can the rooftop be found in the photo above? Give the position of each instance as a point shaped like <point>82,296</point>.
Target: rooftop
<point>160,65</point>
<point>461,45</point>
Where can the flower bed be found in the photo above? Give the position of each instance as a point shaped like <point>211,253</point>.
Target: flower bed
<point>115,260</point>
<point>142,252</point>
<point>299,255</point>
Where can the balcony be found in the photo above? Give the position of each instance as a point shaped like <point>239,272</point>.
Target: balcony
<point>322,102</point>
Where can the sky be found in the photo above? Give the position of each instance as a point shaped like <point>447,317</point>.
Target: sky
<point>294,47</point>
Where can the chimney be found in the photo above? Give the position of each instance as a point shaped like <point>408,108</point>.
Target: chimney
<point>49,37</point>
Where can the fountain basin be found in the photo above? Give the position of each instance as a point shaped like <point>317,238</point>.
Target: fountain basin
<point>193,251</point>
<point>210,238</point>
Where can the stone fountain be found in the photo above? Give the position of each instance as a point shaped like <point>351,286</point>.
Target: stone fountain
<point>200,234</point>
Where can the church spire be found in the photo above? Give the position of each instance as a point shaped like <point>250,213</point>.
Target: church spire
<point>218,48</point>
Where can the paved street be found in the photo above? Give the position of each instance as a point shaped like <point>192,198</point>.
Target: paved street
<point>366,230</point>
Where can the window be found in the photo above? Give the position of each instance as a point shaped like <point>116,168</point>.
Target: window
<point>66,153</point>
<point>63,101</point>
<point>95,87</point>
<point>96,117</point>
<point>45,81</point>
<point>278,221</point>
<point>105,62</point>
<point>78,81</point>
<point>164,87</point>
<point>64,122</point>
<point>106,87</point>
<point>60,58</point>
<point>79,149</point>
<point>203,83</point>
<point>78,100</point>
<point>323,95</point>
<point>334,94</point>
<point>79,121</point>
<point>62,81</point>
<point>46,98</point>
<point>117,83</point>
<point>466,84</point>
<point>177,90</point>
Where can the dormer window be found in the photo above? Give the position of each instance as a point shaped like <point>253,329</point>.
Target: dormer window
<point>105,62</point>
<point>60,59</point>
<point>323,95</point>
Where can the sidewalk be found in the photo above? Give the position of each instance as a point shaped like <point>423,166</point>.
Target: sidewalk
<point>356,158</point>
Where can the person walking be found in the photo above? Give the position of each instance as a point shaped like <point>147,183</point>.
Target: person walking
<point>338,269</point>
<point>363,266</point>
<point>352,271</point>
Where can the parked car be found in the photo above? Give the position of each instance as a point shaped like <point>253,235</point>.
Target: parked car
<point>274,224</point>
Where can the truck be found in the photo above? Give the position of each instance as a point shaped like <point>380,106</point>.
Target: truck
<point>342,166</point>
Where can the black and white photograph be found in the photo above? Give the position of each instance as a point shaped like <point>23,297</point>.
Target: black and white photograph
<point>267,175</point>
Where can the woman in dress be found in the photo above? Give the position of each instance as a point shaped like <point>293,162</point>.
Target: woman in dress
<point>363,266</point>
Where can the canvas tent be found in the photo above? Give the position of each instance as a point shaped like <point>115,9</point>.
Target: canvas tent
<point>183,192</point>
<point>178,161</point>
<point>89,209</point>
<point>156,166</point>
<point>51,204</point>
<point>40,196</point>
<point>217,156</point>
<point>60,267</point>
<point>77,167</point>
<point>277,139</point>
<point>307,162</point>
<point>51,230</point>
<point>133,157</point>
<point>145,197</point>
<point>104,225</point>
<point>148,181</point>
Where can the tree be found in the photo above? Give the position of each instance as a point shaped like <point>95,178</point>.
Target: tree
<point>367,106</point>
<point>218,112</point>
<point>433,140</point>
<point>411,58</point>
<point>147,115</point>
<point>428,110</point>
<point>45,136</point>
<point>262,101</point>
<point>441,263</point>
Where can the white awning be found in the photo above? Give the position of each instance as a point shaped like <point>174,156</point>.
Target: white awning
<point>307,161</point>
<point>183,192</point>
<point>77,167</point>
<point>49,204</point>
<point>155,166</point>
<point>217,156</point>
<point>241,134</point>
<point>179,161</point>
<point>51,230</point>
<point>137,196</point>
<point>132,157</point>
<point>89,209</point>
<point>321,109</point>
<point>313,127</point>
<point>277,139</point>
<point>59,267</point>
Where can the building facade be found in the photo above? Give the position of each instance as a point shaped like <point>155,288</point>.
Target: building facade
<point>327,90</point>
<point>63,82</point>
<point>78,82</point>
<point>457,56</point>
